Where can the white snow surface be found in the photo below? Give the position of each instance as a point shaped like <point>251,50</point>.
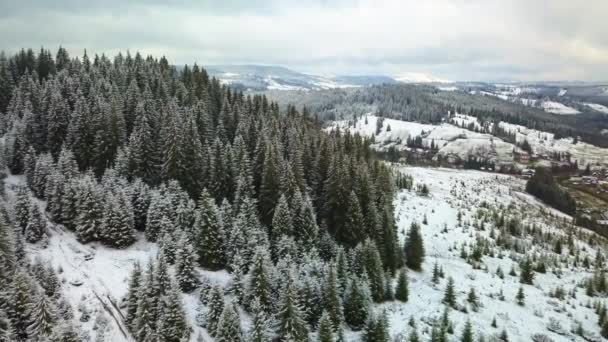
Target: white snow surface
<point>597,107</point>
<point>544,143</point>
<point>450,139</point>
<point>558,108</point>
<point>104,278</point>
<point>418,77</point>
<point>455,141</point>
<point>452,191</point>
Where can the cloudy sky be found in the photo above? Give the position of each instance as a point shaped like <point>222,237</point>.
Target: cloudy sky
<point>449,39</point>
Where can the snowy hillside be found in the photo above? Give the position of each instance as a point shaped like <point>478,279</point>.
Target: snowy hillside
<point>597,107</point>
<point>266,77</point>
<point>475,195</point>
<point>544,143</point>
<point>449,139</point>
<point>453,140</point>
<point>95,277</point>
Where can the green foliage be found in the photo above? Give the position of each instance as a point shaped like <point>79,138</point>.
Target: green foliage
<point>414,248</point>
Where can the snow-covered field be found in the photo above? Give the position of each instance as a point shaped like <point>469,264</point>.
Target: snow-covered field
<point>516,95</point>
<point>97,276</point>
<point>544,143</point>
<point>597,107</point>
<point>558,108</point>
<point>451,140</point>
<point>453,191</point>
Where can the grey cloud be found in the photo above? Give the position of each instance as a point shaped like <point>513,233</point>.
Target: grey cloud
<point>454,39</point>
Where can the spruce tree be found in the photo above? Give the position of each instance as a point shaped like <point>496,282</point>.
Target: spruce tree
<point>22,209</point>
<point>172,323</point>
<point>132,297</point>
<point>353,231</point>
<point>333,302</point>
<point>229,325</point>
<point>449,297</point>
<point>356,305</point>
<point>282,220</point>
<point>414,248</point>
<point>374,270</point>
<point>467,332</point>
<point>305,222</point>
<point>36,227</point>
<point>526,275</point>
<point>260,326</point>
<point>42,317</point>
<point>208,230</point>
<point>117,224</point>
<point>326,329</point>
<point>402,292</point>
<point>520,297</point>
<point>292,326</point>
<point>216,307</point>
<point>259,286</point>
<point>185,265</point>
<point>20,302</point>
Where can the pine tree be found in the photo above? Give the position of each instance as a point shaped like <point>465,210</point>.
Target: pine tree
<point>414,336</point>
<point>326,328</point>
<point>281,221</point>
<point>374,270</point>
<point>20,295</point>
<point>449,297</point>
<point>172,323</point>
<point>376,329</point>
<point>208,231</point>
<point>132,297</point>
<point>292,326</point>
<point>414,248</point>
<point>44,164</point>
<point>356,305</point>
<point>216,307</point>
<point>90,210</point>
<point>402,291</point>
<point>503,337</point>
<point>467,333</point>
<point>185,265</point>
<point>520,297</point>
<point>36,227</point>
<point>42,316</point>
<point>159,207</point>
<point>333,302</point>
<point>22,209</point>
<point>527,272</point>
<point>305,222</point>
<point>472,298</point>
<point>29,166</point>
<point>259,280</point>
<point>65,333</point>
<point>229,325</point>
<point>260,326</point>
<point>117,224</point>
<point>353,231</point>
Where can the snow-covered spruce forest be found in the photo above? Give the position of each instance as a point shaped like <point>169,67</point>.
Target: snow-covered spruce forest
<point>124,152</point>
<point>140,202</point>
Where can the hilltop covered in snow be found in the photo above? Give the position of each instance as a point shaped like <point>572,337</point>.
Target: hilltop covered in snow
<point>451,139</point>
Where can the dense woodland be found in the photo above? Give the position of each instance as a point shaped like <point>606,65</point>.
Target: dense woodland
<point>116,150</point>
<point>425,103</point>
<point>544,186</point>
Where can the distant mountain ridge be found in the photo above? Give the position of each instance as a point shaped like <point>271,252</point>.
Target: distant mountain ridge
<point>267,77</point>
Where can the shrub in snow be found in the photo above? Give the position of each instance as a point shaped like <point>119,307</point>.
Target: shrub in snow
<point>541,338</point>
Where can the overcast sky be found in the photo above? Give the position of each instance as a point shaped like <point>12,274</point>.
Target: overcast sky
<point>449,39</point>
